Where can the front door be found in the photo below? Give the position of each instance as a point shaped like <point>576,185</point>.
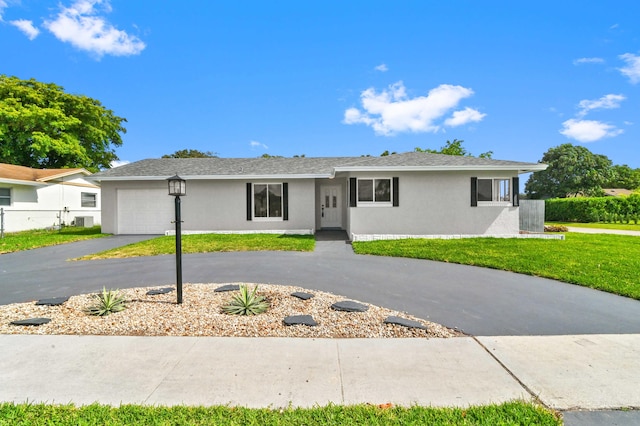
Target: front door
<point>331,206</point>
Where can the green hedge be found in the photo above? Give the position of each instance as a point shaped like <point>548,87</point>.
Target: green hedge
<point>593,209</point>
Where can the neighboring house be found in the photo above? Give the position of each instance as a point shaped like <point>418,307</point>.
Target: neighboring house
<point>43,198</point>
<point>400,195</point>
<point>616,192</point>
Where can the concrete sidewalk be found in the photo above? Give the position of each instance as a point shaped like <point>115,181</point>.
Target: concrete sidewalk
<point>564,372</point>
<point>581,230</point>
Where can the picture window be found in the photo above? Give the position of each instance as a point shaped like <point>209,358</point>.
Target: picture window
<point>374,191</point>
<point>267,200</point>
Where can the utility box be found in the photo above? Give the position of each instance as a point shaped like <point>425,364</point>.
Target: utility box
<point>83,221</point>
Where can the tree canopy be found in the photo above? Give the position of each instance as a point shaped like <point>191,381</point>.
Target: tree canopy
<point>41,126</point>
<point>572,170</point>
<point>191,153</point>
<point>624,177</point>
<point>453,148</point>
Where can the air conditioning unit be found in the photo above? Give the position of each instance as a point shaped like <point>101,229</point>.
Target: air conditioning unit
<point>84,221</point>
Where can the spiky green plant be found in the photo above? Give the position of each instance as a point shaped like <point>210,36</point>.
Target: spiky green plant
<point>246,302</point>
<point>107,302</point>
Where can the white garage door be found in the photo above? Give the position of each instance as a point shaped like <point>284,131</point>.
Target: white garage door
<point>145,211</point>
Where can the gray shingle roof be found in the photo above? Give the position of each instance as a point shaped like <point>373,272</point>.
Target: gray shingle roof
<point>300,166</point>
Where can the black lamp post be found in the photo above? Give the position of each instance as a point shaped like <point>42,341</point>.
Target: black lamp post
<point>177,188</point>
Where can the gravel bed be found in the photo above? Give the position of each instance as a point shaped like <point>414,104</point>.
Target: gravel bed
<point>201,315</point>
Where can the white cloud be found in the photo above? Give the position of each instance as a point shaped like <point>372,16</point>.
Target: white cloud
<point>80,25</point>
<point>392,111</point>
<point>605,102</point>
<point>588,130</point>
<point>588,61</point>
<point>467,115</point>
<point>256,144</point>
<point>3,6</point>
<point>382,68</point>
<point>118,163</point>
<point>632,70</point>
<point>26,27</point>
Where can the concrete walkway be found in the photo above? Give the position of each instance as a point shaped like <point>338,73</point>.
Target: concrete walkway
<point>581,230</point>
<point>593,372</point>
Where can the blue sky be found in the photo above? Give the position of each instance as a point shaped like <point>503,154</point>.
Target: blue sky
<point>342,78</point>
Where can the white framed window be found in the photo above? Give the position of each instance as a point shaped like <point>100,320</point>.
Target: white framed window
<point>495,190</point>
<point>88,199</point>
<point>374,191</point>
<point>5,196</point>
<point>267,201</point>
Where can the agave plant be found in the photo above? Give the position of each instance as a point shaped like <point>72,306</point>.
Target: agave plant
<point>246,302</point>
<point>107,302</point>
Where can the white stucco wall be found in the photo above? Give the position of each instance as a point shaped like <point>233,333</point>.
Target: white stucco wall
<point>37,207</point>
<point>434,203</point>
<point>211,206</point>
<point>222,205</point>
<point>431,203</point>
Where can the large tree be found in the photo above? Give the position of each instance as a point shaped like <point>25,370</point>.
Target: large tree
<point>41,126</point>
<point>191,153</point>
<point>572,170</point>
<point>624,177</point>
<point>453,148</point>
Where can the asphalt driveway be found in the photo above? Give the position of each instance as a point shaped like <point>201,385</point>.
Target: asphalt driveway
<point>478,301</point>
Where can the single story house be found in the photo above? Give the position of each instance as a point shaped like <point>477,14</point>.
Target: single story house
<point>396,196</point>
<point>42,198</point>
<point>616,192</point>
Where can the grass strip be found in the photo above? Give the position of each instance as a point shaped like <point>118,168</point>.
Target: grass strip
<point>510,413</point>
<point>27,240</point>
<point>600,261</point>
<point>206,243</point>
<point>599,225</point>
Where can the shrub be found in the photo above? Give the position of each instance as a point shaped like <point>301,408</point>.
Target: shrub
<point>246,302</point>
<point>107,302</point>
<point>592,209</point>
<point>555,228</point>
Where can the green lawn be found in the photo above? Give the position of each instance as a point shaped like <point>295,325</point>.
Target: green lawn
<point>512,413</point>
<point>205,243</point>
<point>27,240</point>
<point>601,261</point>
<point>599,225</point>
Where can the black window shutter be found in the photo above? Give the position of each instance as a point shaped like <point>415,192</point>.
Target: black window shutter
<point>249,199</point>
<point>474,192</point>
<point>396,192</point>
<point>285,201</point>
<point>352,192</point>
<point>516,191</point>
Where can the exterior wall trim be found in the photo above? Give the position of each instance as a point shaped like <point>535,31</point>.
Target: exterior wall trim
<point>376,237</point>
<point>252,231</point>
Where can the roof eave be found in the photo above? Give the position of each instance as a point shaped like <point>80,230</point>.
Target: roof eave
<point>212,177</point>
<point>521,168</point>
<point>22,182</point>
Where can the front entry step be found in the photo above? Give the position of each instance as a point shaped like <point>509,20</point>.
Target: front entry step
<point>331,235</point>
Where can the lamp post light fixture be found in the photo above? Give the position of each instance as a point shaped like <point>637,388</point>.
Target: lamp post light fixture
<point>178,188</point>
